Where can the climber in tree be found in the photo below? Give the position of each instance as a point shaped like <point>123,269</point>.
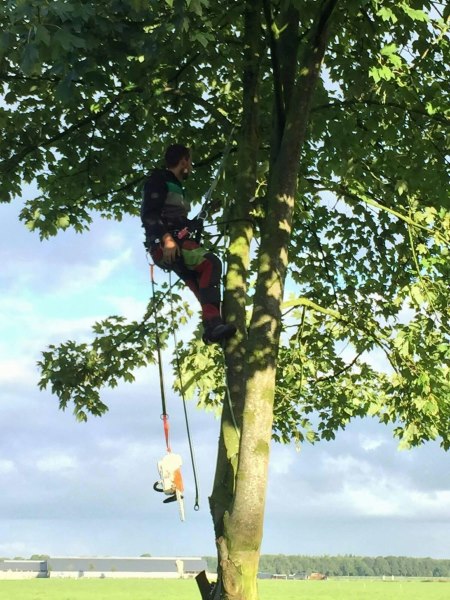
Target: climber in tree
<point>169,239</point>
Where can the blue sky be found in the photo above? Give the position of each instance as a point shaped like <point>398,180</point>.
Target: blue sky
<point>75,488</point>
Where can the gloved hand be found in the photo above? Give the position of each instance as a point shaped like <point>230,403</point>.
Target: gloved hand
<point>171,251</point>
<point>195,224</point>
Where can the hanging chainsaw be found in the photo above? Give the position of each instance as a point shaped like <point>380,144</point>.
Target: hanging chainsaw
<point>171,482</point>
<point>169,468</point>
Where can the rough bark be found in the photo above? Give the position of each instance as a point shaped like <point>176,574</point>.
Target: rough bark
<point>238,498</point>
<point>241,233</point>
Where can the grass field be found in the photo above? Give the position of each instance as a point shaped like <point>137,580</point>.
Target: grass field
<point>140,589</point>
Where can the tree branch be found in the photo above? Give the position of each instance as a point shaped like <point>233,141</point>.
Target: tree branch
<point>309,303</point>
<point>10,163</point>
<point>201,102</point>
<point>300,105</point>
<point>280,108</point>
<point>371,202</point>
<point>347,367</point>
<point>355,102</point>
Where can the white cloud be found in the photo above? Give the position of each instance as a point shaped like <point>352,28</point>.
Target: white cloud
<point>113,240</point>
<point>378,360</point>
<point>76,328</point>
<point>13,306</point>
<point>128,306</point>
<point>123,454</point>
<point>13,549</point>
<point>6,466</point>
<point>57,463</point>
<point>86,276</point>
<point>380,501</point>
<point>369,443</point>
<point>367,489</point>
<point>282,460</point>
<point>390,499</point>
<point>21,371</point>
<point>347,465</point>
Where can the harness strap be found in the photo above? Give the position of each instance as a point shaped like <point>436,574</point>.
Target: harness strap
<point>165,419</point>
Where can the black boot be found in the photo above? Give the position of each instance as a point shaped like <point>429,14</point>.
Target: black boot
<point>216,331</point>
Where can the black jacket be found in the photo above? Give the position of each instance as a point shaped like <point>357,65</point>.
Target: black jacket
<point>164,207</point>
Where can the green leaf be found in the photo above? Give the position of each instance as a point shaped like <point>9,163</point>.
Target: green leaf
<point>401,186</point>
<point>389,49</point>
<point>371,168</point>
<point>387,14</point>
<point>6,40</point>
<point>414,14</point>
<point>373,72</point>
<point>30,64</point>
<point>64,89</point>
<point>417,295</point>
<point>67,40</point>
<point>63,222</point>
<point>385,73</point>
<point>42,34</point>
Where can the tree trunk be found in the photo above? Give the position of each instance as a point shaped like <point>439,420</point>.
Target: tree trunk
<point>238,498</point>
<point>235,297</point>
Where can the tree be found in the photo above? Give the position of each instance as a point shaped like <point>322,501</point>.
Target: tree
<point>381,566</point>
<point>334,197</point>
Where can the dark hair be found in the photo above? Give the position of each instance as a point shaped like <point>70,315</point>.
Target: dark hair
<point>175,153</point>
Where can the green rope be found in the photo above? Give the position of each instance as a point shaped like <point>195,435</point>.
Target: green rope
<point>158,349</point>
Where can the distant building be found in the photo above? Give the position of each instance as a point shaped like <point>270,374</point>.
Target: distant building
<point>104,567</point>
<point>23,569</point>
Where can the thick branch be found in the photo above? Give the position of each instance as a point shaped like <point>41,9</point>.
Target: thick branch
<point>298,115</point>
<point>280,108</point>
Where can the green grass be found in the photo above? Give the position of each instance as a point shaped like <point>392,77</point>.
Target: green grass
<point>354,590</point>
<point>140,589</point>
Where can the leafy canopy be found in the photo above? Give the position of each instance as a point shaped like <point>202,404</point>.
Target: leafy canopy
<point>92,92</point>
